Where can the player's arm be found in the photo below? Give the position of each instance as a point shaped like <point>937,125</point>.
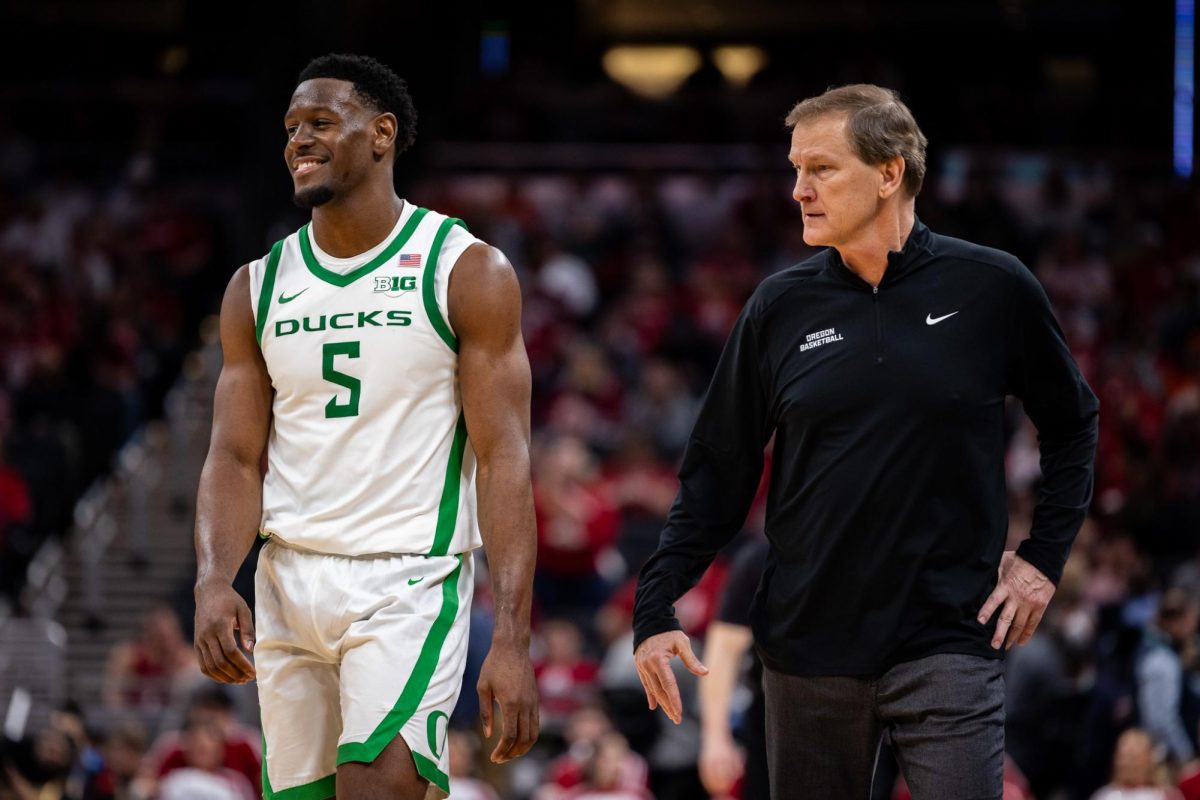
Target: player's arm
<point>721,762</point>
<point>485,312</point>
<point>229,502</point>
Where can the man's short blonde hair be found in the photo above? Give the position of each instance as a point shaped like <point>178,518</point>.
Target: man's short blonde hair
<point>878,125</point>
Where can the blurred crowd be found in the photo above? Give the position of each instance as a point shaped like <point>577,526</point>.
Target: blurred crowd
<point>631,283</point>
<point>102,288</point>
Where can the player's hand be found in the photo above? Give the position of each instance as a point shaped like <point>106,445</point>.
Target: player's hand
<point>1022,593</point>
<point>506,678</point>
<point>653,659</point>
<point>721,764</point>
<point>219,612</point>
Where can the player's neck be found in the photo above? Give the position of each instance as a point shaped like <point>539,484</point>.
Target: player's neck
<point>346,227</point>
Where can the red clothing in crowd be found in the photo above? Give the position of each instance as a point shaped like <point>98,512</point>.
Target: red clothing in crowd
<point>16,507</point>
<point>570,539</point>
<point>694,610</point>
<point>562,688</point>
<point>1189,784</point>
<point>566,772</point>
<point>242,754</point>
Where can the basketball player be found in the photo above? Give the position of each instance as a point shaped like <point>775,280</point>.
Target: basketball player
<point>376,354</point>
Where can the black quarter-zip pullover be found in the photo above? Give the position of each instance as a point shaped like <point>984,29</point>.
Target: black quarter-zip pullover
<point>887,508</point>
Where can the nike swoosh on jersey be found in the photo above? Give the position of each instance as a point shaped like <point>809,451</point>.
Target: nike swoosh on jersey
<point>932,320</point>
<point>412,581</point>
<point>284,299</point>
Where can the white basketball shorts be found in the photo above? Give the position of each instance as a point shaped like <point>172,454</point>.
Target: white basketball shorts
<point>350,652</point>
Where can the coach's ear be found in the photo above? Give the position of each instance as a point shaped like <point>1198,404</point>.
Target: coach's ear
<point>891,176</point>
<point>384,134</point>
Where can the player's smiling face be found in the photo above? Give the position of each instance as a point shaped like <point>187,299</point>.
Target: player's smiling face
<point>331,138</point>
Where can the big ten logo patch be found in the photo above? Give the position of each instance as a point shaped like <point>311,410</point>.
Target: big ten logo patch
<point>395,285</point>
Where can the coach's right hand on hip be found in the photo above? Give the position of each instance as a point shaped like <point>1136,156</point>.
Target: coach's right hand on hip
<point>1025,593</point>
<point>653,659</point>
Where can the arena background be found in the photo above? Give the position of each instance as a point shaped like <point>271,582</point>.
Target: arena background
<point>641,195</point>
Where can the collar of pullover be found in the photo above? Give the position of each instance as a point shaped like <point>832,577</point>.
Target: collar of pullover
<point>916,252</point>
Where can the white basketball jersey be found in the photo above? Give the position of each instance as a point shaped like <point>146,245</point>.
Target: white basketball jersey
<point>368,450</point>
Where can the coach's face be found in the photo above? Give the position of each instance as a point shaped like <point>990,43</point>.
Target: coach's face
<point>333,140</point>
<point>838,192</point>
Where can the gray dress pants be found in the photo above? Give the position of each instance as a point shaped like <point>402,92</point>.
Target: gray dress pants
<point>945,715</point>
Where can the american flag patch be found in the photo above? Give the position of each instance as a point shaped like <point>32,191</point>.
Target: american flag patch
<point>410,260</point>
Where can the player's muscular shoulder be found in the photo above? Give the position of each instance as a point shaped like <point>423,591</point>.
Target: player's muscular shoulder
<point>236,302</point>
<point>484,293</point>
<point>237,318</point>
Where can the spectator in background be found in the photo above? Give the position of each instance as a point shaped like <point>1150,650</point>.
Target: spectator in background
<point>121,778</point>
<point>87,763</point>
<point>212,705</point>
<point>589,399</point>
<point>642,485</point>
<point>202,775</point>
<point>727,765</point>
<point>577,526</point>
<point>464,762</point>
<point>144,674</point>
<point>663,408</point>
<point>54,756</point>
<point>1168,703</point>
<point>566,679</point>
<point>1136,771</point>
<point>604,774</point>
<point>1046,686</point>
<point>16,512</point>
<point>585,729</point>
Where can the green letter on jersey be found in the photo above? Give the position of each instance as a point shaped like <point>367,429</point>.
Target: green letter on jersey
<point>333,408</point>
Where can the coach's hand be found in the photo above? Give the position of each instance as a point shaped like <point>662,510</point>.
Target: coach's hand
<point>653,659</point>
<point>1024,592</point>
<point>219,612</point>
<point>507,678</point>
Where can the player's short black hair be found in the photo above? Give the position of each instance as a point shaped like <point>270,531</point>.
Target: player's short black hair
<point>375,84</point>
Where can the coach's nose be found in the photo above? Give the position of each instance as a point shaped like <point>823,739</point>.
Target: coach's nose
<point>803,191</point>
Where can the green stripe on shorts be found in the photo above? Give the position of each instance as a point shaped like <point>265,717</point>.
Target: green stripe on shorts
<point>414,691</point>
<point>320,789</point>
<point>430,772</point>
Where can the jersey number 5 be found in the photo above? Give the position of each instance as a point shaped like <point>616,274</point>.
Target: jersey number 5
<point>333,408</point>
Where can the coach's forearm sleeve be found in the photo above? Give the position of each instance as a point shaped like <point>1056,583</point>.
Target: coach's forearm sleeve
<point>718,478</point>
<point>1065,412</point>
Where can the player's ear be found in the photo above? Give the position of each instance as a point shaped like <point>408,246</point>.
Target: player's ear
<point>383,130</point>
